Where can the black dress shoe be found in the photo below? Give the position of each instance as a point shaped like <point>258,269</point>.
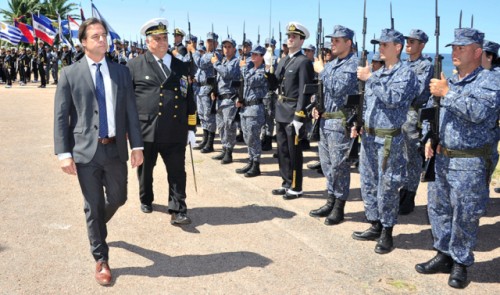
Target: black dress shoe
<point>458,276</point>
<point>441,263</point>
<point>497,190</point>
<point>180,218</point>
<point>279,191</point>
<point>290,196</point>
<point>371,234</point>
<point>146,208</point>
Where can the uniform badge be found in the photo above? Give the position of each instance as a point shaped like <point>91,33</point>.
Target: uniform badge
<point>147,77</point>
<point>184,85</point>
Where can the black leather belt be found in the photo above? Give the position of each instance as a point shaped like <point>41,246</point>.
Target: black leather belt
<point>254,102</point>
<point>107,140</point>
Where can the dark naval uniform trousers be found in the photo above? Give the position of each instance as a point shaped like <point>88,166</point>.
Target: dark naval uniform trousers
<point>166,112</point>
<point>292,74</point>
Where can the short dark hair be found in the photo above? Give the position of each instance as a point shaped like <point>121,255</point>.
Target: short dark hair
<point>82,31</point>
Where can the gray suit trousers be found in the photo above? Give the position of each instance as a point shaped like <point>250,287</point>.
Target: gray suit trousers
<point>104,171</point>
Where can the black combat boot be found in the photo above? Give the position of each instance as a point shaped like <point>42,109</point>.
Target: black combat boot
<point>371,234</point>
<point>209,147</point>
<point>228,157</point>
<point>385,243</point>
<point>245,168</point>
<point>441,263</point>
<point>221,155</point>
<point>458,276</point>
<point>202,144</point>
<point>337,214</point>
<point>324,210</point>
<point>267,143</point>
<point>408,204</point>
<point>254,170</point>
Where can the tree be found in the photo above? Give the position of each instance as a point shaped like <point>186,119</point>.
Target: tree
<point>19,8</point>
<point>51,8</point>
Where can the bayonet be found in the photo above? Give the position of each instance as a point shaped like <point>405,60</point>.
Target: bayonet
<point>460,20</point>
<point>472,21</point>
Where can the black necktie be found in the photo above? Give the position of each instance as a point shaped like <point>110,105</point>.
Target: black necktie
<point>101,102</point>
<point>285,64</point>
<point>164,67</point>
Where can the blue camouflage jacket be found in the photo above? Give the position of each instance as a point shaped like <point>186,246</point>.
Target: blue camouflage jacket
<point>339,80</point>
<point>469,111</point>
<point>388,95</point>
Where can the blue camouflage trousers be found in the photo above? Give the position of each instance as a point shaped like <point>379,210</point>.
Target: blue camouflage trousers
<point>226,125</point>
<point>207,119</point>
<point>456,200</point>
<point>270,112</point>
<point>411,151</point>
<point>251,127</point>
<point>333,153</point>
<point>380,187</point>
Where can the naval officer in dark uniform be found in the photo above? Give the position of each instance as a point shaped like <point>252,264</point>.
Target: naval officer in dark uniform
<point>167,114</point>
<point>292,73</point>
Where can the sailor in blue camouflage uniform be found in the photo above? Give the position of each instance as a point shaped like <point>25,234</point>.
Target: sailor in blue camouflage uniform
<point>228,70</point>
<point>423,68</point>
<point>469,107</point>
<point>388,95</point>
<point>490,61</point>
<point>204,99</point>
<point>339,80</point>
<point>271,61</point>
<point>252,108</point>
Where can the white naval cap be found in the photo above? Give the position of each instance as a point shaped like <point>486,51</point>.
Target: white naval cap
<point>178,31</point>
<point>155,26</point>
<point>297,28</point>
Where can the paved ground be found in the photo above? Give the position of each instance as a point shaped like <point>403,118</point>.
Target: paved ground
<point>243,239</point>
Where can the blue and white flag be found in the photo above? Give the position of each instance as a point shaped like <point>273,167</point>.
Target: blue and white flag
<point>112,34</point>
<point>10,33</point>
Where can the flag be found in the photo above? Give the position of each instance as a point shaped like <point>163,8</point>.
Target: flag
<point>43,29</point>
<point>10,33</point>
<point>28,33</point>
<point>65,27</point>
<point>112,33</point>
<point>65,41</point>
<point>81,14</point>
<point>73,29</point>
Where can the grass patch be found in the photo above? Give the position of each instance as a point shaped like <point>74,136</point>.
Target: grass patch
<point>401,285</point>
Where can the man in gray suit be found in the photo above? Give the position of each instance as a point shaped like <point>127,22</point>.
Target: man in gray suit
<point>95,111</point>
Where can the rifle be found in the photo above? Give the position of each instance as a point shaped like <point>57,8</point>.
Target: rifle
<point>281,45</point>
<point>431,114</point>
<point>258,35</point>
<point>392,19</point>
<point>190,65</point>
<point>316,88</point>
<point>213,80</point>
<point>356,101</point>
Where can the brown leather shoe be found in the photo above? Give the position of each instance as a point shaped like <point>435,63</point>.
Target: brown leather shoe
<point>103,273</point>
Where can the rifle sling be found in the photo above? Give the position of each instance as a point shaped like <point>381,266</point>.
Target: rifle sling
<point>388,134</point>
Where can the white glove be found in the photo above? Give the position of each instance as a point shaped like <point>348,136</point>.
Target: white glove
<point>192,139</point>
<point>297,125</point>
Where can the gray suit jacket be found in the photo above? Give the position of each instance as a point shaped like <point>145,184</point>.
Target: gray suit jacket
<point>76,113</point>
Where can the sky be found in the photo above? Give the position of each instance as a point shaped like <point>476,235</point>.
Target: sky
<point>127,17</point>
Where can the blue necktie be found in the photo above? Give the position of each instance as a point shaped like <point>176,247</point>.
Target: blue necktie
<point>101,102</point>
